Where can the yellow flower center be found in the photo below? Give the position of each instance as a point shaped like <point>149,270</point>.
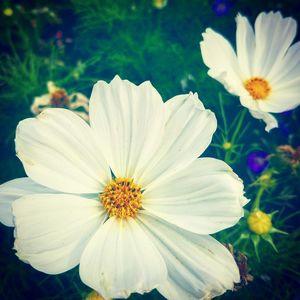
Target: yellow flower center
<point>59,98</point>
<point>93,296</point>
<point>122,198</point>
<point>257,87</point>
<point>259,222</point>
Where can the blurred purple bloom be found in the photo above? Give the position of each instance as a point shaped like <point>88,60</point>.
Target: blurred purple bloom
<point>257,161</point>
<point>284,128</point>
<point>221,7</point>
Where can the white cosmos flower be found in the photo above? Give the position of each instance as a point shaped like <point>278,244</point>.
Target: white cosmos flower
<point>148,225</point>
<point>265,71</point>
<point>58,97</point>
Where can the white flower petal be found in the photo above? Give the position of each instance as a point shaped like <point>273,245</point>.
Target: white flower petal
<point>53,230</point>
<point>199,267</point>
<point>204,198</point>
<point>289,68</point>
<point>39,103</point>
<point>270,120</point>
<point>273,36</point>
<point>175,103</point>
<point>220,58</point>
<point>188,132</point>
<point>129,120</point>
<point>120,259</point>
<point>59,150</point>
<point>245,46</point>
<point>248,102</point>
<point>286,99</point>
<point>14,189</point>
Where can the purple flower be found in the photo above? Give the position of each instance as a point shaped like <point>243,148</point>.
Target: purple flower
<point>284,128</point>
<point>221,7</point>
<point>257,161</point>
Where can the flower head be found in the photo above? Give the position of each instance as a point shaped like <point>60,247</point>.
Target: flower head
<point>257,161</point>
<point>58,97</point>
<point>221,7</point>
<point>259,222</point>
<point>119,195</point>
<point>265,71</point>
<point>261,228</point>
<point>289,154</point>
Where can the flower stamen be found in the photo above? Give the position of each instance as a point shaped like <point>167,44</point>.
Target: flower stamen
<point>258,88</point>
<point>122,198</point>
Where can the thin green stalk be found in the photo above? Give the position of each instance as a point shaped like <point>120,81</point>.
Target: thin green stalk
<point>223,113</point>
<point>239,125</point>
<point>256,202</point>
<point>234,135</point>
<point>290,216</point>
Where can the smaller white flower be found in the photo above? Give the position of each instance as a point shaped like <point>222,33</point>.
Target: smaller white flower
<point>58,97</point>
<point>265,70</point>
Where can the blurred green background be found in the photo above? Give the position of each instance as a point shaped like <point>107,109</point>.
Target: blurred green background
<point>77,42</point>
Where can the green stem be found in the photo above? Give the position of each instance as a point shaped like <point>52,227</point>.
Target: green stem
<point>234,135</point>
<point>239,125</point>
<point>256,202</point>
<point>227,156</point>
<point>223,114</point>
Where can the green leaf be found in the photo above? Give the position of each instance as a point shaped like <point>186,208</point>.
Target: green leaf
<point>275,230</point>
<point>268,238</point>
<point>273,213</point>
<point>255,240</point>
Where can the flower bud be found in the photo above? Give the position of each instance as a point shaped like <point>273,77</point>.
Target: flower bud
<point>8,12</point>
<point>259,222</point>
<point>227,145</point>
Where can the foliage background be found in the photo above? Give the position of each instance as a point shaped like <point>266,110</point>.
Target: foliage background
<point>77,42</point>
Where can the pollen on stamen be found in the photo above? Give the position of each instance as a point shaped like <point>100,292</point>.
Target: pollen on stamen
<point>122,198</point>
<point>258,88</point>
